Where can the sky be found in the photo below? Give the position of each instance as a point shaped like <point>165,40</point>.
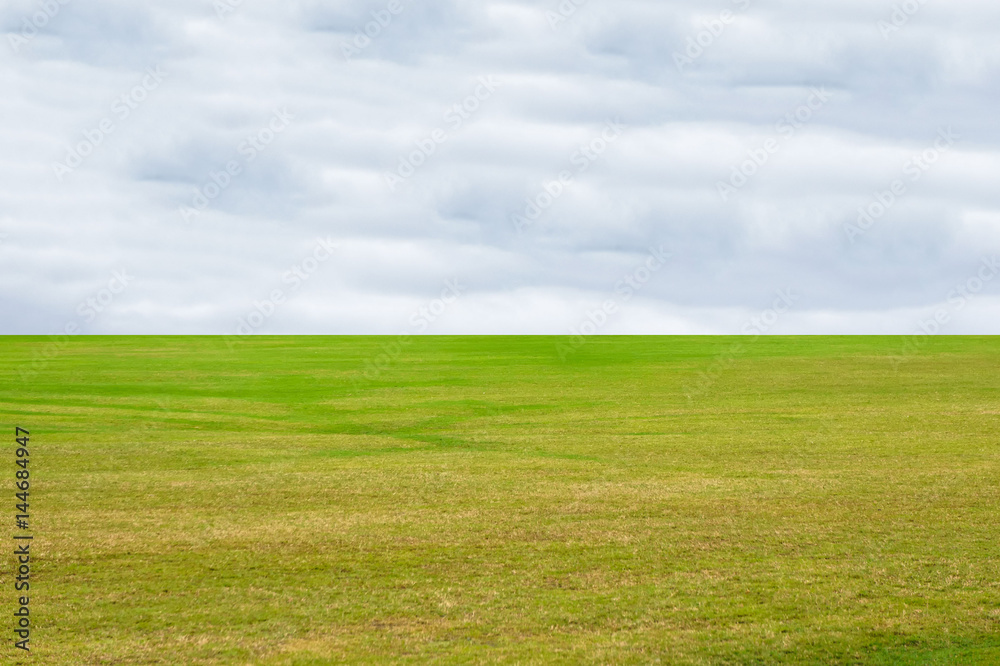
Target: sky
<point>240,167</point>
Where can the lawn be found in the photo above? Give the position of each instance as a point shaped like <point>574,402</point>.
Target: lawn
<point>517,500</point>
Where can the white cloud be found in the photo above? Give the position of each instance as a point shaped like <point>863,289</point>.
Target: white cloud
<point>354,118</point>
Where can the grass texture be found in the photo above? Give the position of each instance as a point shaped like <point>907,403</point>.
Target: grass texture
<point>681,500</point>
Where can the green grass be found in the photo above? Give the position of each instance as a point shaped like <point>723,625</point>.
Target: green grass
<point>810,500</point>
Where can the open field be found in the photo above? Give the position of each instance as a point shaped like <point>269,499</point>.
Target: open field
<point>481,500</point>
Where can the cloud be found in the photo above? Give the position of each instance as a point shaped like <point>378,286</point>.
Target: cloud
<point>369,83</point>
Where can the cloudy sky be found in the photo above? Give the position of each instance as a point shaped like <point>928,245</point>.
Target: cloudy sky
<point>526,166</point>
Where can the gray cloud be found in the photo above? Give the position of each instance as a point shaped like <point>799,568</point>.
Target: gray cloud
<point>358,111</point>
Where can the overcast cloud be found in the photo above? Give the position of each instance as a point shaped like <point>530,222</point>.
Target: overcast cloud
<point>499,167</point>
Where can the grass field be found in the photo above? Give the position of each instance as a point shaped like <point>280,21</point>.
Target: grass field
<point>481,500</point>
